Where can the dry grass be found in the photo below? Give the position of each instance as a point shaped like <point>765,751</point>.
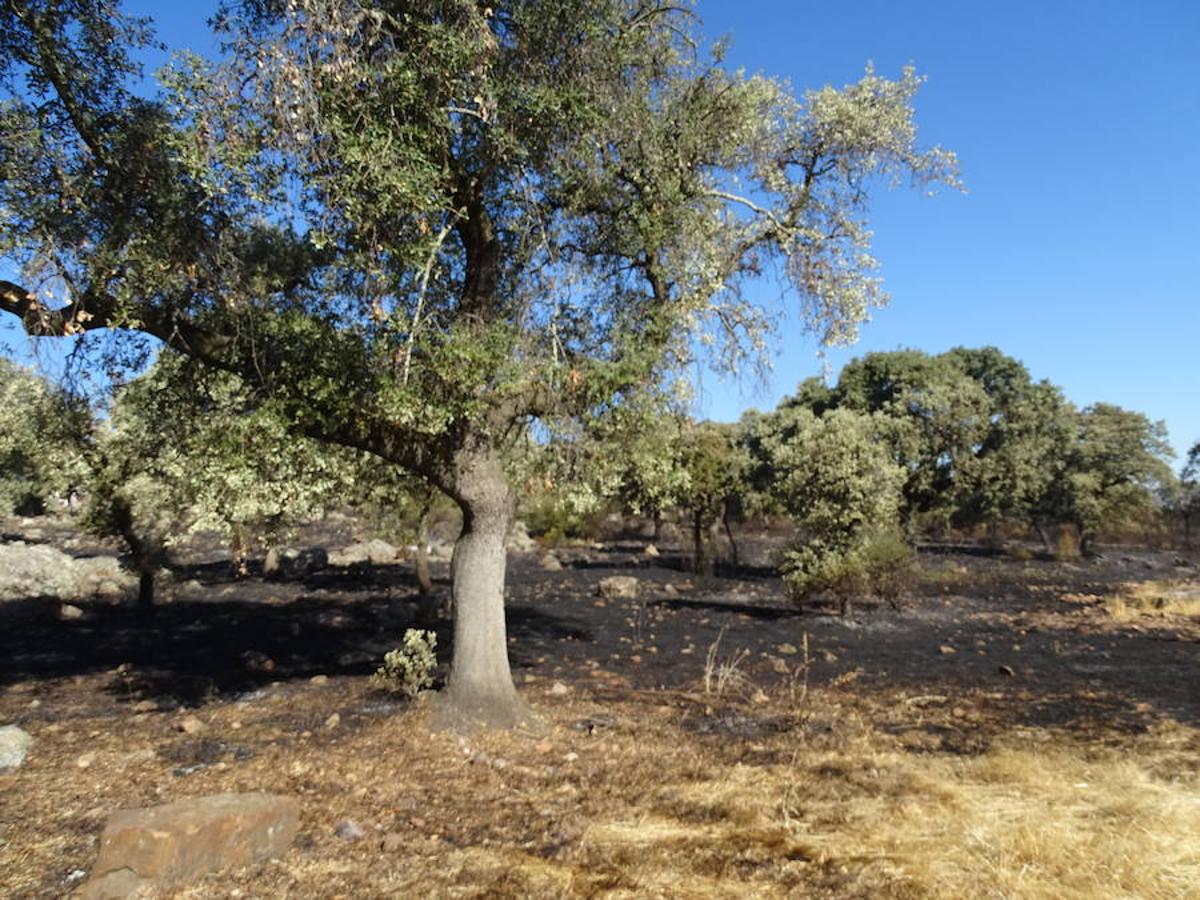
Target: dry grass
<point>646,804</point>
<point>1155,598</point>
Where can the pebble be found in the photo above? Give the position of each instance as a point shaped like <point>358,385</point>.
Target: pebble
<point>333,721</point>
<point>190,725</point>
<point>319,679</point>
<point>559,689</point>
<point>349,830</point>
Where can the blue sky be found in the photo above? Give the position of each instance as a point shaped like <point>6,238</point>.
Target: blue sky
<point>1077,126</point>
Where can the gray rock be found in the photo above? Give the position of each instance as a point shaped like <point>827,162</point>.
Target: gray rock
<point>551,563</point>
<point>441,551</point>
<point>290,562</point>
<point>376,552</point>
<point>519,539</point>
<point>35,570</point>
<point>14,746</point>
<point>349,830</point>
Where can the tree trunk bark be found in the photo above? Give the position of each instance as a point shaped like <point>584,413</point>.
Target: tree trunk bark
<point>1047,545</point>
<point>733,547</point>
<point>701,563</point>
<point>424,580</point>
<point>480,689</point>
<point>145,600</point>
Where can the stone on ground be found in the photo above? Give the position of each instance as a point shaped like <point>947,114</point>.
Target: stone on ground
<point>618,587</point>
<point>519,539</point>
<point>376,552</point>
<point>183,840</point>
<point>14,746</point>
<point>35,570</point>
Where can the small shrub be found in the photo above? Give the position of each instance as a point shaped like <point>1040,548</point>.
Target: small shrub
<point>553,521</point>
<point>1066,544</point>
<point>409,668</point>
<point>876,563</point>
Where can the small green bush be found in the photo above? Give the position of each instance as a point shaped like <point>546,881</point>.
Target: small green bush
<point>875,563</point>
<point>409,668</point>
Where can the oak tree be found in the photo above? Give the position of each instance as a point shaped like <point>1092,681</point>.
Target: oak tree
<point>416,225</point>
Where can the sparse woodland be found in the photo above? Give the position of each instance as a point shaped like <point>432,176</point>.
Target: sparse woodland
<point>377,328</point>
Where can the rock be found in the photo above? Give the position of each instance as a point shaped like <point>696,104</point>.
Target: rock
<point>376,552</point>
<point>946,650</point>
<point>85,760</point>
<point>349,830</point>
<point>319,680</point>
<point>287,562</point>
<point>145,706</point>
<point>651,550</point>
<point>519,539</point>
<point>670,590</point>
<point>559,689</point>
<point>14,746</point>
<point>190,725</point>
<point>393,842</point>
<point>67,612</point>
<point>787,649</point>
<point>441,550</point>
<point>550,563</point>
<point>1007,671</point>
<point>618,587</point>
<point>333,721</point>
<point>186,839</point>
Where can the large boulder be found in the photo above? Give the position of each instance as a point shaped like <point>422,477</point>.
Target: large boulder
<point>160,845</point>
<point>36,570</point>
<point>375,552</point>
<point>14,745</point>
<point>288,562</point>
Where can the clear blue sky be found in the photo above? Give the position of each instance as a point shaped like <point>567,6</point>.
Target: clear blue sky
<point>1077,123</point>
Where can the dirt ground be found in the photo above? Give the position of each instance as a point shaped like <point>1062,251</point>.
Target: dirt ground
<point>706,739</point>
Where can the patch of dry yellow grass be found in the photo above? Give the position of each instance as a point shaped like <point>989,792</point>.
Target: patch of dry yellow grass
<point>1155,598</point>
<point>1011,823</point>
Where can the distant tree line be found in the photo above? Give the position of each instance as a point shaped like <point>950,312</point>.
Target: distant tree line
<point>904,444</point>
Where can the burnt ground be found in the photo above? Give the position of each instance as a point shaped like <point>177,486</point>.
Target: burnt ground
<point>992,645</point>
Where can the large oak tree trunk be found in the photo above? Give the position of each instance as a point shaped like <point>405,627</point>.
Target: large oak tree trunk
<point>480,690</point>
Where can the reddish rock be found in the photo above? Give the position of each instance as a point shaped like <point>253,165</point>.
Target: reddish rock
<point>183,840</point>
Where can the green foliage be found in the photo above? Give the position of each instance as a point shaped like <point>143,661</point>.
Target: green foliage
<point>1186,499</point>
<point>834,477</point>
<point>876,563</point>
<point>1117,465</point>
<point>40,458</point>
<point>409,668</point>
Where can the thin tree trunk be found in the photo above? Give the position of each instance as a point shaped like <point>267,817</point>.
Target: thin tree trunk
<point>424,580</point>
<point>701,563</point>
<point>480,689</point>
<point>733,547</point>
<point>145,600</point>
<point>1044,536</point>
